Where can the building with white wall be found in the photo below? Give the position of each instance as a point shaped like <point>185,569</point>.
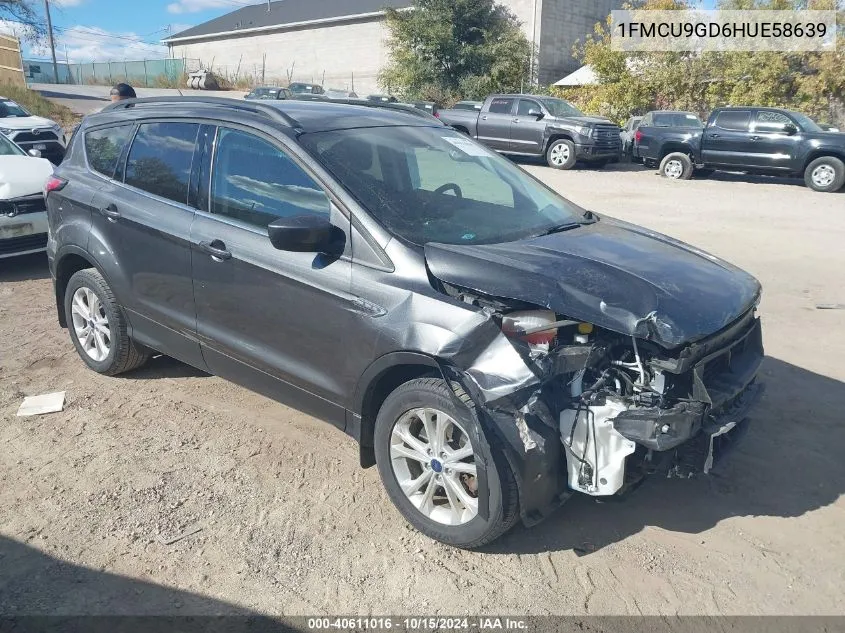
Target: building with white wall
<point>341,43</point>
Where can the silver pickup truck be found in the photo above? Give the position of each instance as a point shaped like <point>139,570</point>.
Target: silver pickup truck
<point>539,126</point>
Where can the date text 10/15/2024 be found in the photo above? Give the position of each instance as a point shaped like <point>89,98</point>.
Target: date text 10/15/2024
<point>421,623</point>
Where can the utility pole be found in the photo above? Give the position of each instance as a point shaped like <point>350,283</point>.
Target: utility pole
<point>52,43</point>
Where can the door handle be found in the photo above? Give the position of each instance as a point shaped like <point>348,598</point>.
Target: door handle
<point>714,136</point>
<point>514,120</point>
<point>111,213</point>
<point>484,118</point>
<point>216,249</point>
<point>755,138</point>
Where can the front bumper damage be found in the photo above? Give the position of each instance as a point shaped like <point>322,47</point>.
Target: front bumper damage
<point>606,447</point>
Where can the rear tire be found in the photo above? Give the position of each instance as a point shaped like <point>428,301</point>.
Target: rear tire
<point>825,174</point>
<point>676,166</point>
<point>410,417</point>
<point>561,154</point>
<point>98,327</point>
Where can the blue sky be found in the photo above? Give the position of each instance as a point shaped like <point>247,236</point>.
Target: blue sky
<point>123,29</point>
<point>114,30</point>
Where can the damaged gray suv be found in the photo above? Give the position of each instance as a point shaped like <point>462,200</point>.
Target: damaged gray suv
<point>491,346</point>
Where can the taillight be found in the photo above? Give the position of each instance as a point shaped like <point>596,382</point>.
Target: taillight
<point>638,136</point>
<point>54,183</point>
<point>436,114</point>
<point>524,326</point>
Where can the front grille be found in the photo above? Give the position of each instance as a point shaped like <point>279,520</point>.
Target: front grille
<point>23,244</point>
<point>43,136</point>
<point>22,206</point>
<point>607,137</point>
<point>725,373</point>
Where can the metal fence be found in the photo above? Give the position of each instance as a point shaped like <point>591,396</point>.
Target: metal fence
<point>150,73</point>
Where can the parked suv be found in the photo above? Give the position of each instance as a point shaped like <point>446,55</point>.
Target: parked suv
<point>491,346</point>
<point>32,133</point>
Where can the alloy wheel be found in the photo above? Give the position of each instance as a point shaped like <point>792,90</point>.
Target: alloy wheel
<point>823,175</point>
<point>434,464</point>
<point>91,324</point>
<point>673,169</point>
<point>560,154</point>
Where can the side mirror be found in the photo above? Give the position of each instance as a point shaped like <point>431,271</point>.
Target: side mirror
<point>302,234</point>
<point>35,153</point>
<point>790,129</point>
<point>536,113</point>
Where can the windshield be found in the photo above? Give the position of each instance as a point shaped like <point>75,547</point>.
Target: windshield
<point>265,92</point>
<point>301,88</point>
<point>7,148</point>
<point>807,124</point>
<point>428,184</point>
<point>559,107</point>
<point>11,109</point>
<point>677,119</point>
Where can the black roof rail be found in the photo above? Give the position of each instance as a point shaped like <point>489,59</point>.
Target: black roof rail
<point>254,107</point>
<point>396,106</point>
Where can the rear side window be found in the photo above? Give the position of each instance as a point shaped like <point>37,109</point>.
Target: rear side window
<point>501,106</point>
<point>105,147</point>
<point>255,182</point>
<point>160,159</point>
<point>677,119</point>
<point>736,120</point>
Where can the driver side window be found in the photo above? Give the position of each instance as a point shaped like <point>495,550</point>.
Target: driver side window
<point>256,182</point>
<point>526,105</point>
<point>435,169</point>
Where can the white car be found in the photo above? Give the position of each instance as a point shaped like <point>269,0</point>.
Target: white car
<point>23,216</point>
<point>32,132</point>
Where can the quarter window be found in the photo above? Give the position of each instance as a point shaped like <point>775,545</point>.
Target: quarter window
<point>255,182</point>
<point>736,120</point>
<point>160,159</point>
<point>105,147</point>
<point>501,106</point>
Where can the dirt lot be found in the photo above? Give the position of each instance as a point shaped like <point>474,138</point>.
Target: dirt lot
<point>289,524</point>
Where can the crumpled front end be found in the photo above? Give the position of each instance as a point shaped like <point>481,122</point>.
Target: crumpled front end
<point>590,410</point>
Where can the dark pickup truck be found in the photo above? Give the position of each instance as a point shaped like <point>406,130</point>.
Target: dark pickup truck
<point>539,126</point>
<point>749,139</point>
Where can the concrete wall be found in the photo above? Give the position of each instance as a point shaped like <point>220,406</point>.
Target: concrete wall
<point>346,47</point>
<point>563,23</point>
<point>340,50</point>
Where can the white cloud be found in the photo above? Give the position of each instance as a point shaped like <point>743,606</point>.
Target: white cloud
<point>195,6</point>
<point>93,44</point>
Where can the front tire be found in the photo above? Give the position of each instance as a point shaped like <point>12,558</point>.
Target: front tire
<point>430,451</point>
<point>676,166</point>
<point>561,154</point>
<point>98,327</point>
<point>825,174</point>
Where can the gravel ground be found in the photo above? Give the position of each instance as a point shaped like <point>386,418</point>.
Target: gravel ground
<point>170,491</point>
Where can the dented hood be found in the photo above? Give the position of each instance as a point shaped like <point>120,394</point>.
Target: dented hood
<point>609,273</point>
<point>22,176</point>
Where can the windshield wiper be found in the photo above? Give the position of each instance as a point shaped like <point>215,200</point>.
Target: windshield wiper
<point>560,228</point>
